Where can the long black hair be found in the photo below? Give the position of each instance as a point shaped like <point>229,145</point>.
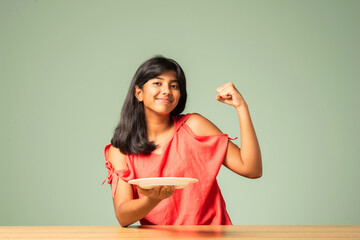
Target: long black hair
<point>130,135</point>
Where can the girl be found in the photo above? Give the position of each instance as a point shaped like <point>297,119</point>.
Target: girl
<point>153,139</point>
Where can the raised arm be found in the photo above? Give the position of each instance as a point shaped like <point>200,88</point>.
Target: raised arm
<point>127,209</point>
<point>246,160</point>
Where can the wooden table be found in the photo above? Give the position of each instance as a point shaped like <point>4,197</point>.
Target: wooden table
<point>181,232</point>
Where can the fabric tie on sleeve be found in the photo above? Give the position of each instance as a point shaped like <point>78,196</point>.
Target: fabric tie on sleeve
<point>114,175</point>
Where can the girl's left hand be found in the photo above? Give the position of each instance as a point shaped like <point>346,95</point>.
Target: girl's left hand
<point>230,95</point>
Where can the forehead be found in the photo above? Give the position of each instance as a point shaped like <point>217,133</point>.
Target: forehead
<point>167,75</point>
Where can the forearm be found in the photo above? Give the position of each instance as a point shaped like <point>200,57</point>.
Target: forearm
<point>131,211</point>
<point>249,148</point>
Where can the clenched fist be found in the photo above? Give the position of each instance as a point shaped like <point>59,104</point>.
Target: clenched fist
<point>230,95</point>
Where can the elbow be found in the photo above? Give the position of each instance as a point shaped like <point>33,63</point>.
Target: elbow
<point>258,174</point>
<point>123,223</point>
<point>258,171</point>
<point>255,174</point>
<point>123,219</point>
<point>253,169</point>
<point>251,173</point>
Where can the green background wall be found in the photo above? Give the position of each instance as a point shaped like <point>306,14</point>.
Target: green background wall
<point>65,67</point>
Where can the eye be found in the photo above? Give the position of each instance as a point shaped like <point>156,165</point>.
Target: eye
<point>157,83</point>
<point>175,86</point>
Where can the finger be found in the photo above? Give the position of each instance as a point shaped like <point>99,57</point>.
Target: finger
<point>219,98</point>
<point>143,191</point>
<point>225,86</point>
<point>228,86</point>
<point>167,191</point>
<point>162,192</point>
<point>221,93</point>
<point>219,88</point>
<point>225,94</point>
<point>222,99</point>
<point>157,189</point>
<point>170,190</point>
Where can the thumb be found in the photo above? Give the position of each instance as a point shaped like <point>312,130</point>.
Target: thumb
<point>224,100</point>
<point>219,98</point>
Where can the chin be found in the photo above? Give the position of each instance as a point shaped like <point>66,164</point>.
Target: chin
<point>161,111</point>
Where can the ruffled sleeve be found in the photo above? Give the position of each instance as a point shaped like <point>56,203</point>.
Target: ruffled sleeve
<point>113,175</point>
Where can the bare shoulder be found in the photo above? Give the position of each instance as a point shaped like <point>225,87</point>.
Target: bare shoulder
<point>117,158</point>
<point>201,126</point>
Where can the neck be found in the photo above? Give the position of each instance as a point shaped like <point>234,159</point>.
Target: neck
<point>157,125</point>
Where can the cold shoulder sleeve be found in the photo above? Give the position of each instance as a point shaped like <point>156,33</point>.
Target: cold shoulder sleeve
<point>113,175</point>
<point>206,151</point>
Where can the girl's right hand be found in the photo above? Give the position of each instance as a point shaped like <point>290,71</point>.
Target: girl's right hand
<point>158,192</point>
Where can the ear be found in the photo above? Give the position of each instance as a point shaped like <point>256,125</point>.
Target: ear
<point>138,93</point>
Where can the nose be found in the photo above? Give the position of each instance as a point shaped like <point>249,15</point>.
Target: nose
<point>165,89</point>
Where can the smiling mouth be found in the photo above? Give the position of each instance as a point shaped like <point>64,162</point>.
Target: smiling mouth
<point>164,100</point>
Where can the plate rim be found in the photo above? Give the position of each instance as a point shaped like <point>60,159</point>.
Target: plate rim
<point>159,178</point>
<point>187,181</point>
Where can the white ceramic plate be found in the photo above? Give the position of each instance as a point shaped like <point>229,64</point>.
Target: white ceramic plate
<point>148,183</point>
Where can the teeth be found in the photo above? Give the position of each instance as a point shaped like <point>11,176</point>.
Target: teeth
<point>163,100</point>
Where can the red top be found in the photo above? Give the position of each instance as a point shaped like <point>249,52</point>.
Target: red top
<point>185,155</point>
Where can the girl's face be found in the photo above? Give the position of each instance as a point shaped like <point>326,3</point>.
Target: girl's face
<point>160,94</point>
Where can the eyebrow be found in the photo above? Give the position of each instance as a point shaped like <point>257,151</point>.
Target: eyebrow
<point>175,80</point>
